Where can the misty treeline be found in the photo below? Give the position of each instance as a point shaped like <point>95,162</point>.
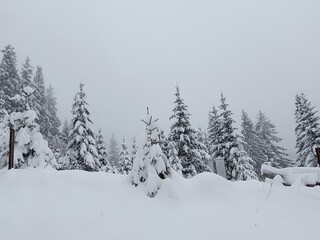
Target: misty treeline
<point>41,139</point>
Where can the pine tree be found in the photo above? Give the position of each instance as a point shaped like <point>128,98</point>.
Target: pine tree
<point>214,128</point>
<point>183,136</point>
<point>124,159</point>
<point>40,103</point>
<point>31,150</point>
<point>82,150</point>
<point>164,143</point>
<point>173,158</point>
<point>54,121</point>
<point>64,137</point>
<point>26,74</point>
<point>152,166</point>
<point>10,81</point>
<point>227,139</point>
<point>252,143</point>
<point>134,148</point>
<point>114,152</point>
<point>307,132</point>
<point>267,133</point>
<point>102,152</point>
<point>202,143</point>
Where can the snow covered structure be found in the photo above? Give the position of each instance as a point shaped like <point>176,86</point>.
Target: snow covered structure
<point>151,164</point>
<point>30,148</point>
<point>307,176</point>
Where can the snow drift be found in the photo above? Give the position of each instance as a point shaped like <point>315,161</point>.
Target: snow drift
<point>46,204</point>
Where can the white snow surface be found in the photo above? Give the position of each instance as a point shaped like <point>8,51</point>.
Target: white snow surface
<point>47,204</point>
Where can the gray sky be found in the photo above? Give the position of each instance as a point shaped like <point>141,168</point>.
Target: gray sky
<point>130,54</point>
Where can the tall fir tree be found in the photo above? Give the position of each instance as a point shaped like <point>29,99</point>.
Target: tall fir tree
<point>10,81</point>
<point>183,136</point>
<point>82,152</point>
<point>307,132</point>
<point>124,159</point>
<point>40,103</point>
<point>54,121</point>
<point>114,152</point>
<point>64,137</point>
<point>252,143</point>
<point>27,73</point>
<point>238,165</point>
<point>268,134</point>
<point>102,152</point>
<point>214,128</point>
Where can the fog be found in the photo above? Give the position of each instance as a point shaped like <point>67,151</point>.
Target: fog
<point>131,54</point>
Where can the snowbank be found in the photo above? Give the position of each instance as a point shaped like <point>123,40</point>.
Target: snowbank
<point>46,204</point>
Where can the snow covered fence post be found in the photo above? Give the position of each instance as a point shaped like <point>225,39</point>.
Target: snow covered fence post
<point>11,148</point>
<point>318,155</point>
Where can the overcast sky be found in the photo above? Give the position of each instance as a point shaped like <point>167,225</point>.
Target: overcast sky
<point>130,54</point>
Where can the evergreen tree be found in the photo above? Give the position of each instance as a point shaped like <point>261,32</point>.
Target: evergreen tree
<point>152,166</point>
<point>30,149</point>
<point>134,148</point>
<point>173,158</point>
<point>307,132</point>
<point>252,143</point>
<point>64,137</point>
<point>124,159</point>
<point>10,81</point>
<point>183,136</point>
<point>102,152</point>
<point>239,166</point>
<point>54,121</point>
<point>164,143</point>
<point>114,152</point>
<point>214,128</point>
<point>27,73</point>
<point>40,103</point>
<point>227,139</point>
<point>267,133</point>
<point>203,152</point>
<point>82,150</point>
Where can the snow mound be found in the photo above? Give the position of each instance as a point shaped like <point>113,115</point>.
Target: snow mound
<point>46,204</point>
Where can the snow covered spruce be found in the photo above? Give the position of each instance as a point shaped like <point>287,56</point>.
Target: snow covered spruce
<point>150,166</point>
<point>30,148</point>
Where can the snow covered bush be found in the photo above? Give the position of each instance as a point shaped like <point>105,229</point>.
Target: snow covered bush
<point>151,165</point>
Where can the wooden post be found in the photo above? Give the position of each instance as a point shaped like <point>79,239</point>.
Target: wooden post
<point>318,155</point>
<point>11,148</point>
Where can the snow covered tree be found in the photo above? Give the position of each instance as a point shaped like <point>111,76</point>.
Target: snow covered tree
<point>134,148</point>
<point>227,139</point>
<point>64,137</point>
<point>214,128</point>
<point>26,74</point>
<point>82,152</point>
<point>40,103</point>
<point>102,152</point>
<point>54,122</point>
<point>252,143</point>
<point>183,136</point>
<point>30,148</point>
<point>114,152</point>
<point>10,81</point>
<point>164,143</point>
<point>173,158</point>
<point>239,166</point>
<point>152,166</point>
<point>124,159</point>
<point>267,133</point>
<point>307,132</point>
<point>244,165</point>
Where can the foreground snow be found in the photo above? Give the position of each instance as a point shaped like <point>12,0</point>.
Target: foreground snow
<point>73,205</point>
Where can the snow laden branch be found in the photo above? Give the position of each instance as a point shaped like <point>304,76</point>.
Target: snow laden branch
<point>150,166</point>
